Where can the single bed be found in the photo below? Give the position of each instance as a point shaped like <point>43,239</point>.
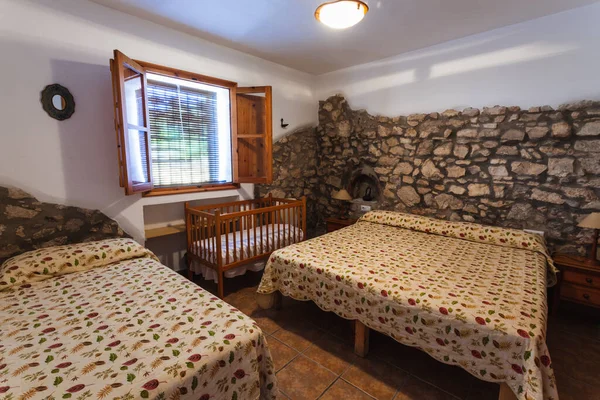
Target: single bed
<point>466,294</point>
<point>107,320</point>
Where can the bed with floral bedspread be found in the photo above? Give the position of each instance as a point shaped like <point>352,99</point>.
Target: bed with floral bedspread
<point>105,320</point>
<point>466,294</point>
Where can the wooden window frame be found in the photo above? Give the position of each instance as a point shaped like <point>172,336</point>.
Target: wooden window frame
<point>266,136</point>
<point>208,80</point>
<point>118,65</point>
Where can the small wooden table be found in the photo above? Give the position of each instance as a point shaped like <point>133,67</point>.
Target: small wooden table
<point>333,224</point>
<point>579,282</point>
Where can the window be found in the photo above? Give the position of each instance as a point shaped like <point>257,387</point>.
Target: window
<point>179,132</point>
<point>190,132</point>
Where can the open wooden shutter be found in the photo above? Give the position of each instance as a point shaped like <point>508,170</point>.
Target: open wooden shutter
<point>252,139</point>
<point>131,124</point>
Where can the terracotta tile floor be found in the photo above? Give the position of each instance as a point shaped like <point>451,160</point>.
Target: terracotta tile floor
<point>313,355</point>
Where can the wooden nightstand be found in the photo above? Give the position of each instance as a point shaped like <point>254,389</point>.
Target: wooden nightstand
<point>579,282</point>
<point>333,224</point>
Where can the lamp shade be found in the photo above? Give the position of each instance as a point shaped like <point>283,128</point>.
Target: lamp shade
<point>341,14</point>
<point>591,221</point>
<point>342,195</point>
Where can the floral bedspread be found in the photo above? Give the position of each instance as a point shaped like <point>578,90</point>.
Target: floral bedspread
<point>127,329</point>
<point>467,294</point>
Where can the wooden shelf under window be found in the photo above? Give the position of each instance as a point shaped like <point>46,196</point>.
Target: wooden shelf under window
<point>164,231</point>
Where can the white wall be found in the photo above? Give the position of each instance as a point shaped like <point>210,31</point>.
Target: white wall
<point>551,60</point>
<point>547,61</point>
<point>70,42</point>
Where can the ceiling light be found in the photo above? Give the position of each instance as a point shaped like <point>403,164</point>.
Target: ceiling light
<point>341,14</point>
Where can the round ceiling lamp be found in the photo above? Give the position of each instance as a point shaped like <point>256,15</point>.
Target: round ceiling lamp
<point>341,14</point>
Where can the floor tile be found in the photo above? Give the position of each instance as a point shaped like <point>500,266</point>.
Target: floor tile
<point>299,336</point>
<point>331,353</point>
<point>266,322</point>
<point>343,390</point>
<point>281,353</point>
<point>573,389</point>
<point>575,320</point>
<point>482,390</point>
<point>339,327</point>
<point>378,378</point>
<point>404,357</point>
<point>581,368</point>
<point>451,379</point>
<point>304,379</point>
<point>415,389</point>
<point>446,377</point>
<point>563,340</point>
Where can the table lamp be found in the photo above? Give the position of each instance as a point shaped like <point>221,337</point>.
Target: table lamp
<point>344,197</point>
<point>592,221</point>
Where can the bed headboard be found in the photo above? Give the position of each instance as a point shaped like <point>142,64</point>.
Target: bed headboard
<point>27,224</point>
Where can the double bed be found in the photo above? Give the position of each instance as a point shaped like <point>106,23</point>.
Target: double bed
<point>105,319</point>
<point>466,294</point>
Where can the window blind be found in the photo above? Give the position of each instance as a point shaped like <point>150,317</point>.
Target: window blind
<point>184,135</point>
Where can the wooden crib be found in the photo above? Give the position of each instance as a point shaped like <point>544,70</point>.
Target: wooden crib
<point>225,236</point>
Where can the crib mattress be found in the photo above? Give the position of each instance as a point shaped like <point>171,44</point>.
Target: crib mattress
<point>267,239</point>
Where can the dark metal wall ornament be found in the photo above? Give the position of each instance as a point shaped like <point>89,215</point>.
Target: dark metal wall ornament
<point>58,102</point>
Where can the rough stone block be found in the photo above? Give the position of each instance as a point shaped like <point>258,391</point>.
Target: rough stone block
<point>478,189</point>
<point>590,129</point>
<point>527,168</point>
<point>561,167</point>
<point>513,135</point>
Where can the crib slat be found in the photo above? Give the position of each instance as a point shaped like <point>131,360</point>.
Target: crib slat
<point>226,241</point>
<point>214,241</point>
<point>248,236</point>
<point>276,243</point>
<point>195,234</point>
<point>201,234</point>
<point>254,227</point>
<point>297,224</point>
<point>201,226</point>
<point>198,235</point>
<point>234,233</point>
<point>281,225</point>
<point>266,225</point>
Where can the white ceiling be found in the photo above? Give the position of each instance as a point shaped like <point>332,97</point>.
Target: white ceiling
<point>286,32</point>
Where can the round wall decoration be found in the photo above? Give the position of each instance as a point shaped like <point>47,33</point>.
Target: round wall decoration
<point>58,102</point>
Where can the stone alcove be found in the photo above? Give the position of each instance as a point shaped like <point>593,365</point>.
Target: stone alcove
<point>360,179</point>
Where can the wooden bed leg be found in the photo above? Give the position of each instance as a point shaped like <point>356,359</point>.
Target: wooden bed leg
<point>361,339</point>
<point>220,290</point>
<point>268,301</point>
<point>506,393</point>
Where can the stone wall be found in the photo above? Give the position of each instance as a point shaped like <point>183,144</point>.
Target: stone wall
<point>536,168</point>
<point>295,159</point>
<point>27,224</point>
